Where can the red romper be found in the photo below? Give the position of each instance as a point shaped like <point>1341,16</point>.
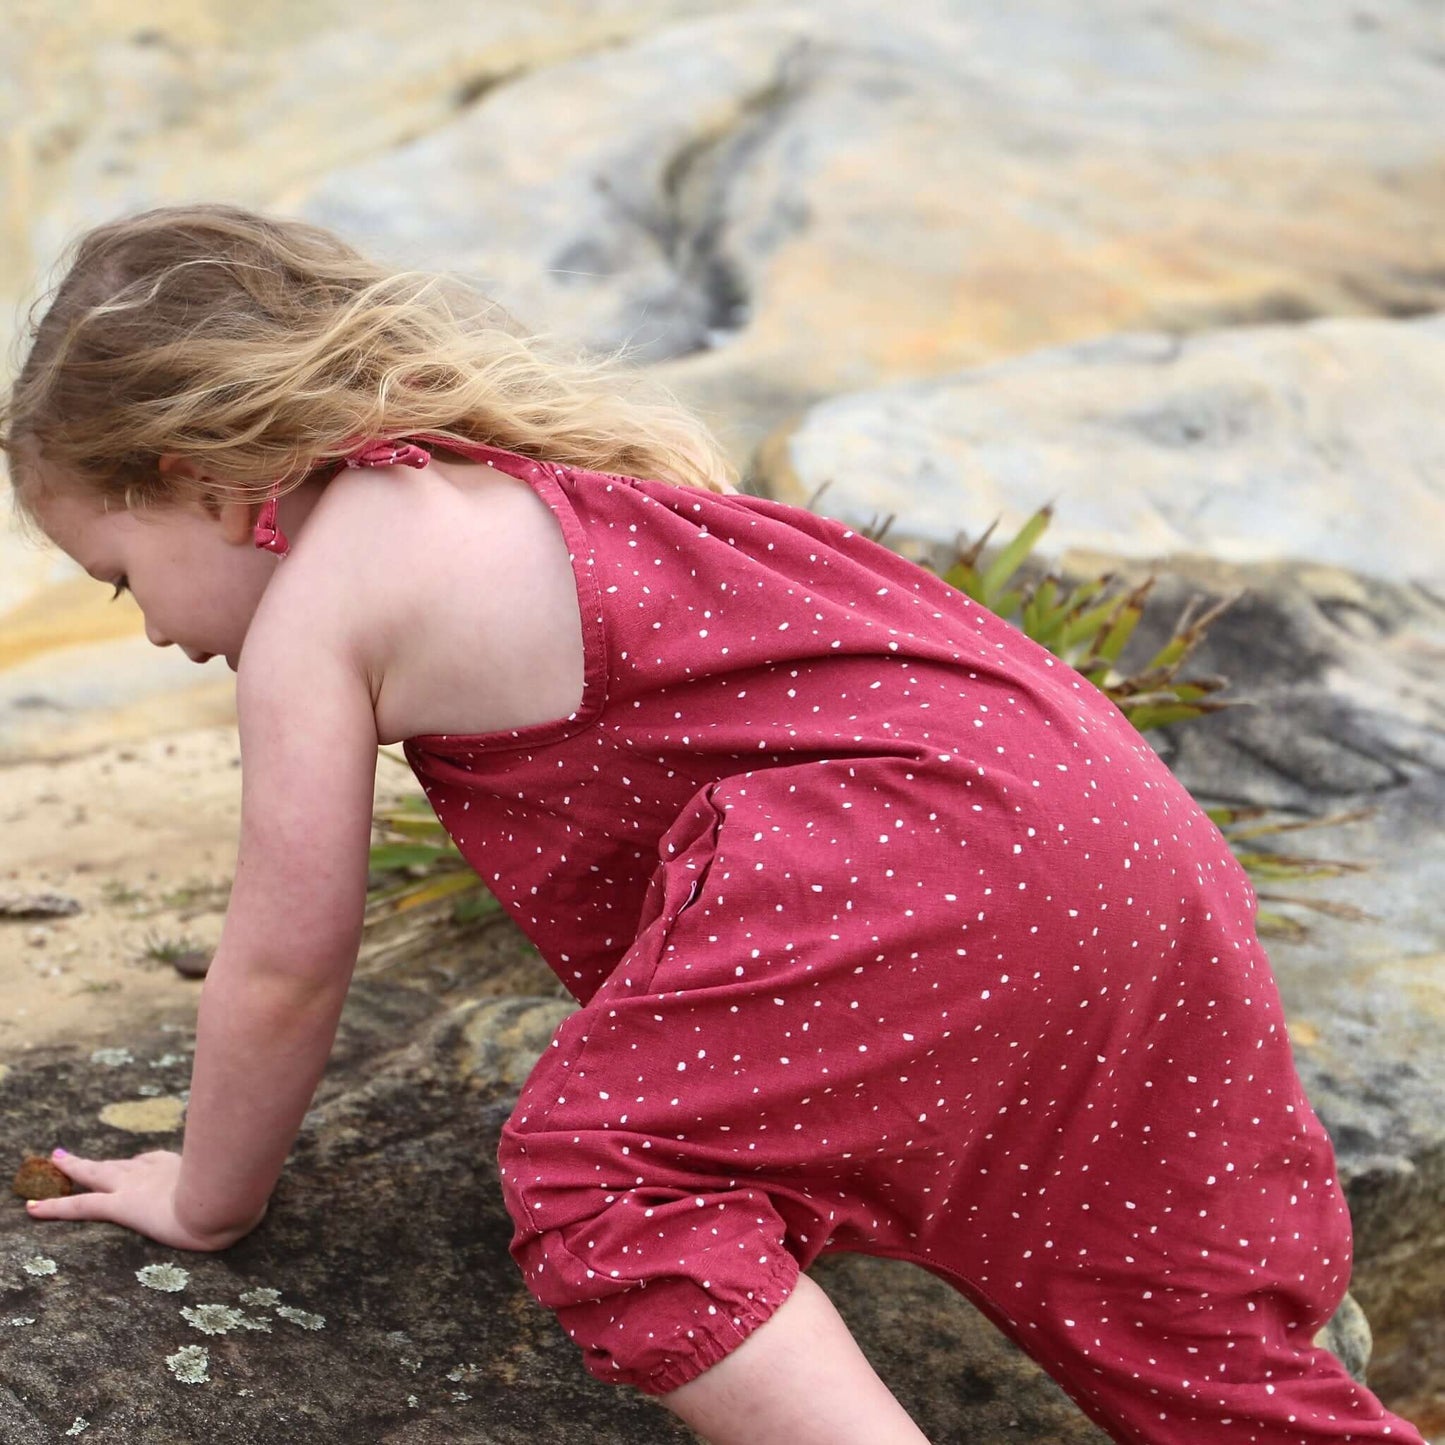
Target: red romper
<point>891,936</point>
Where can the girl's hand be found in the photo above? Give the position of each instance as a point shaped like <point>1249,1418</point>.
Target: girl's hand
<point>137,1193</point>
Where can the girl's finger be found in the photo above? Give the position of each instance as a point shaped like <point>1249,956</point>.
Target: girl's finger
<point>73,1206</point>
<point>88,1173</point>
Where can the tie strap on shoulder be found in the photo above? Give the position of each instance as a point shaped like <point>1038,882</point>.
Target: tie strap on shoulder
<point>269,537</point>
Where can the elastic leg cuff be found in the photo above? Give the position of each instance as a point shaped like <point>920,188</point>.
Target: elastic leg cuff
<point>700,1348</point>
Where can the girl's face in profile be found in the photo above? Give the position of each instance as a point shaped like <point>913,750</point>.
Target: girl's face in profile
<point>192,568</point>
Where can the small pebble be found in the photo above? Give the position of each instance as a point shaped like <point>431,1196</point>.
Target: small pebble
<point>38,1178</point>
<point>193,963</point>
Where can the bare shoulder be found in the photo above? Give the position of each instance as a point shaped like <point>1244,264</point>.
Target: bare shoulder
<point>451,590</point>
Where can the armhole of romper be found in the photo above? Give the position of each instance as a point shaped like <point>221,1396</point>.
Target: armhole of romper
<point>546,481</point>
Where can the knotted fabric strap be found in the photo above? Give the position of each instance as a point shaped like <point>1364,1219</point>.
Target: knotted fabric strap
<point>268,535</point>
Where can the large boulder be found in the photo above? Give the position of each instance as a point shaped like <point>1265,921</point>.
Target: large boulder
<point>1344,681</point>
<point>1319,442</point>
<point>377,1301</point>
<point>784,202</point>
<point>1315,447</point>
<point>773,203</point>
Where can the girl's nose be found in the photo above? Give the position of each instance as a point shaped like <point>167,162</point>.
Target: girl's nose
<point>156,637</point>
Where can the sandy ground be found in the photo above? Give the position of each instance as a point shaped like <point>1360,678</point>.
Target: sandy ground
<point>143,836</point>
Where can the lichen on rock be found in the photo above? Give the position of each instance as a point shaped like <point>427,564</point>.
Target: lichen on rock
<point>169,1278</point>
<point>145,1116</point>
<point>213,1319</point>
<point>191,1365</point>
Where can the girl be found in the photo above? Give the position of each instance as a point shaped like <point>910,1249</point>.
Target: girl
<point>890,934</point>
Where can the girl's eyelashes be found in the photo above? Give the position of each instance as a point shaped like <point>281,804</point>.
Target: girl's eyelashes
<point>122,584</point>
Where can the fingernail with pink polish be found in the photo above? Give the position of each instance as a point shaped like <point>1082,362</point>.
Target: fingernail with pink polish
<point>58,1154</point>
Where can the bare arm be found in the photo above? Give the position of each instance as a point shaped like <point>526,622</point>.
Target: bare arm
<point>272,998</point>
<point>274,993</point>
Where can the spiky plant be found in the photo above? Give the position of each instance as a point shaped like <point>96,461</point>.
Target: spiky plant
<point>415,863</point>
<point>1088,624</point>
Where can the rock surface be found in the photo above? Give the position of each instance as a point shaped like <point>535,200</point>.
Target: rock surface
<point>1256,443</point>
<point>389,1227</point>
<point>789,201</point>
<point>774,202</point>
<point>1346,677</point>
<point>399,1316</point>
<point>1319,441</point>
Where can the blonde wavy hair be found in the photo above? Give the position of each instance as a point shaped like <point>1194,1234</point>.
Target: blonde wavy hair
<point>263,349</point>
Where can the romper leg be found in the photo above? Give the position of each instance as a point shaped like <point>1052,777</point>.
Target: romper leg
<point>634,1222</point>
<point>1167,1369</point>
<point>1169,1244</point>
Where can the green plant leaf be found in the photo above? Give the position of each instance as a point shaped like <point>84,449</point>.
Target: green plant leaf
<point>1011,558</point>
<point>443,886</point>
<point>387,857</point>
<point>470,907</point>
<point>1160,715</point>
<point>1271,924</point>
<point>1328,906</point>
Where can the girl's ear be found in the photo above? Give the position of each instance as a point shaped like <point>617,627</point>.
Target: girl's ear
<point>237,519</point>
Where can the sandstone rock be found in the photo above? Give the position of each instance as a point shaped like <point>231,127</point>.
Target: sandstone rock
<point>790,201</point>
<point>775,203</point>
<point>1317,441</point>
<point>15,905</point>
<point>1347,692</point>
<point>389,1227</point>
<point>110,109</point>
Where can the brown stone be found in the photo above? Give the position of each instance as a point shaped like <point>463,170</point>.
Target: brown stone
<point>38,1178</point>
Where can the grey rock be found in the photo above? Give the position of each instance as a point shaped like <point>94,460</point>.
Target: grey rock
<point>1318,441</point>
<point>15,905</point>
<point>389,1226</point>
<point>388,1235</point>
<point>778,203</point>
<point>1347,1337</point>
<point>1343,688</point>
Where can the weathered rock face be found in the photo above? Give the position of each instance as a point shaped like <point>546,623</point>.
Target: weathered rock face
<point>1318,441</point>
<point>777,204</point>
<point>109,109</point>
<point>398,1317</point>
<point>801,202</point>
<point>1346,679</point>
<point>774,203</point>
<point>389,1238</point>
<point>1258,443</point>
